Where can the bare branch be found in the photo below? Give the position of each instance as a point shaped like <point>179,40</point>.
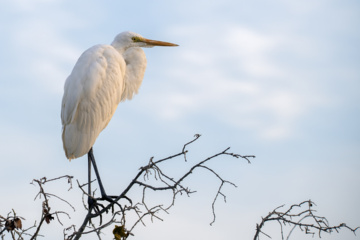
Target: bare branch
<point>13,223</point>
<point>294,216</point>
<point>153,171</point>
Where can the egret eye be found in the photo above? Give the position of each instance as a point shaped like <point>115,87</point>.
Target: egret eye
<point>134,39</point>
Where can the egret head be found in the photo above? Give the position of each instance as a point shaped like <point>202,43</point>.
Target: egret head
<point>125,40</point>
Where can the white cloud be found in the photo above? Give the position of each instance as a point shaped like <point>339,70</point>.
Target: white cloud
<point>236,76</point>
<point>253,50</point>
<point>29,6</point>
<point>44,54</point>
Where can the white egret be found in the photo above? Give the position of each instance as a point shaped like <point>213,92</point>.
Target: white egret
<point>103,76</point>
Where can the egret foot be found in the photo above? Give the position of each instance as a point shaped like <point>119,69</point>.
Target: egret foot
<point>93,202</point>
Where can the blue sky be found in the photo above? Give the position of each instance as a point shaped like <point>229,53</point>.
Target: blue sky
<point>279,80</point>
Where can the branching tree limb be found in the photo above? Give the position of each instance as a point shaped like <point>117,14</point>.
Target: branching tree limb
<point>12,224</point>
<point>153,171</point>
<point>295,217</point>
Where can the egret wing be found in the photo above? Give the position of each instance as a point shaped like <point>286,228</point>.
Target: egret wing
<point>91,94</point>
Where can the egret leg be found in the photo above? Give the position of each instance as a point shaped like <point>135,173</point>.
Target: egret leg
<point>91,159</point>
<point>90,200</point>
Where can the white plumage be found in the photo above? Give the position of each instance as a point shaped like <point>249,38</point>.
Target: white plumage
<point>103,76</point>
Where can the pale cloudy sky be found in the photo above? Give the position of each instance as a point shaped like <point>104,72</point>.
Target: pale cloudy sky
<point>276,79</point>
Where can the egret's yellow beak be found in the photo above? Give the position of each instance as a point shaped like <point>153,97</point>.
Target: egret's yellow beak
<point>158,43</point>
